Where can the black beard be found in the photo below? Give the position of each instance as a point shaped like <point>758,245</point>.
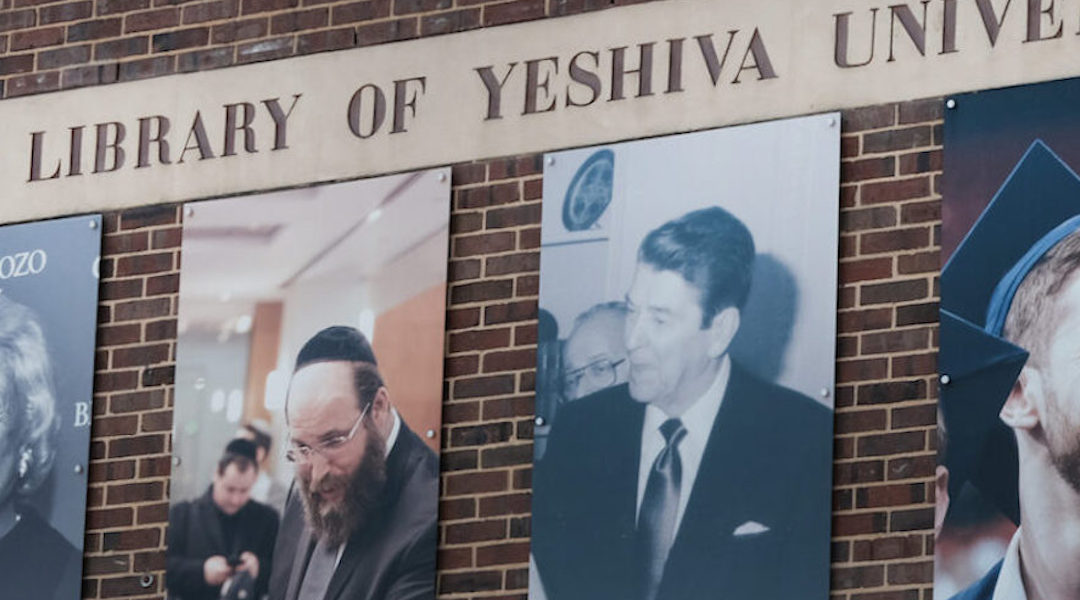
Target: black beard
<point>363,491</point>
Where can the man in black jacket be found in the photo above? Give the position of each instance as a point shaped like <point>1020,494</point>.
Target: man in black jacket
<point>360,522</point>
<point>222,535</point>
<point>695,479</point>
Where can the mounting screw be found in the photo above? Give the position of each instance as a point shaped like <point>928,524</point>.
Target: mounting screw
<point>950,103</point>
<point>945,379</point>
<point>176,461</point>
<point>189,212</point>
<point>540,421</point>
<point>93,224</point>
<point>442,176</point>
<point>430,434</point>
<point>550,160</point>
<point>824,392</point>
<point>78,469</point>
<point>146,580</point>
<point>832,122</point>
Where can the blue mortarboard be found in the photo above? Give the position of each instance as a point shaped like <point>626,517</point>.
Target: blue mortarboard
<point>1033,210</point>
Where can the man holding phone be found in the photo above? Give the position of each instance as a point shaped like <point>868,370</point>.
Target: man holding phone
<point>222,541</point>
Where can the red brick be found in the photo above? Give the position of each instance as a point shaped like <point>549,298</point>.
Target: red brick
<point>34,83</point>
<point>870,117</point>
<point>476,531</point>
<point>895,341</point>
<point>146,68</point>
<point>450,22</point>
<point>132,539</point>
<point>478,435</point>
<point>918,364</point>
<point>514,216</point>
<point>510,360</point>
<point>848,371</point>
<point>94,30</point>
<point>869,168</point>
<point>109,7</point>
<point>135,492</point>
<point>63,57</point>
<point>474,387</point>
<point>894,191</point>
<point>470,581</point>
<point>21,63</point>
<point>267,49</point>
<point>917,111</point>
<point>848,577</point>
<point>181,39</point>
<point>893,291</point>
<point>386,31</point>
<point>887,548</point>
<point>36,38</point>
<point>136,445</point>
<point>491,195</point>
<point>502,554</point>
<point>160,18</point>
<point>866,471</point>
<point>299,20</point>
<point>897,139</point>
<point>513,12</point>
<point>911,238</point>
<point>476,483</point>
<point>366,10</point>
<point>864,320</point>
<point>859,524</point>
<point>922,262</point>
<point>237,31</point>
<point>484,243</point>
<point>70,11</point>
<point>321,41</point>
<point>17,19</point>
<point>523,310</point>
<point>867,269</point>
<point>142,264</point>
<point>481,291</point>
<point>256,6</point>
<point>891,443</point>
<point>209,11</point>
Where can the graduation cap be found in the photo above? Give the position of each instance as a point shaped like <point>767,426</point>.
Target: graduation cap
<point>1034,209</point>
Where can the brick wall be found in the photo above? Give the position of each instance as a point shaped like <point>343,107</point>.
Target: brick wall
<point>886,393</point>
<point>47,45</point>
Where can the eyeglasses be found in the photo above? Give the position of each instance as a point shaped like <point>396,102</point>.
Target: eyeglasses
<point>302,453</point>
<point>598,374</point>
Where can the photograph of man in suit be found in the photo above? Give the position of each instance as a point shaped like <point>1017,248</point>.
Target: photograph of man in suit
<point>695,479</point>
<point>223,539</point>
<point>360,521</point>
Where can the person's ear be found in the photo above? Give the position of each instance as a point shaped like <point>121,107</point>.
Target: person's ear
<point>380,407</point>
<point>1022,408</point>
<point>941,497</point>
<point>722,330</point>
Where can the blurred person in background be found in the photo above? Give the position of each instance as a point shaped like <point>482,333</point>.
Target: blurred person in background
<point>221,543</point>
<point>36,561</point>
<point>594,354</point>
<point>266,490</point>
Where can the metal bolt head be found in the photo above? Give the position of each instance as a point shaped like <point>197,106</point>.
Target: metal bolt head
<point>176,461</point>
<point>78,469</point>
<point>540,421</point>
<point>824,392</point>
<point>146,580</point>
<point>93,224</point>
<point>950,103</point>
<point>832,122</point>
<point>945,379</point>
<point>189,212</point>
<point>550,160</point>
<point>442,176</point>
<point>430,433</point>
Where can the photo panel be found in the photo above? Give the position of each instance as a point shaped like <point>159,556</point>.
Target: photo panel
<point>685,365</point>
<point>1010,206</point>
<point>48,319</point>
<point>308,390</point>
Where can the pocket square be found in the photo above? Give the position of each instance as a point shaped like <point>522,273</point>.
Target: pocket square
<point>749,528</point>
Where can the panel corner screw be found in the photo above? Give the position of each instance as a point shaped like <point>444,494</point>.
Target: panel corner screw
<point>550,161</point>
<point>430,434</point>
<point>950,103</point>
<point>540,421</point>
<point>945,379</point>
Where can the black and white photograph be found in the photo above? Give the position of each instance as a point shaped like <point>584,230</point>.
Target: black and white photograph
<point>46,402</point>
<point>308,393</point>
<point>685,366</point>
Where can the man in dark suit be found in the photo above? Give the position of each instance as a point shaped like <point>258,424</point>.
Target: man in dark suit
<point>695,479</point>
<point>360,522</point>
<point>223,537</point>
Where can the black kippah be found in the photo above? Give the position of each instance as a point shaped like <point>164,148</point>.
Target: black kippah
<point>241,447</point>
<point>336,343</point>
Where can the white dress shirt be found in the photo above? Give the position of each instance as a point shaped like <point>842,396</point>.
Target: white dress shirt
<point>698,421</point>
<point>1010,583</point>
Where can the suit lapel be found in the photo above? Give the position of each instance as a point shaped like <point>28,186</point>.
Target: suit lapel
<point>299,564</point>
<point>716,499</point>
